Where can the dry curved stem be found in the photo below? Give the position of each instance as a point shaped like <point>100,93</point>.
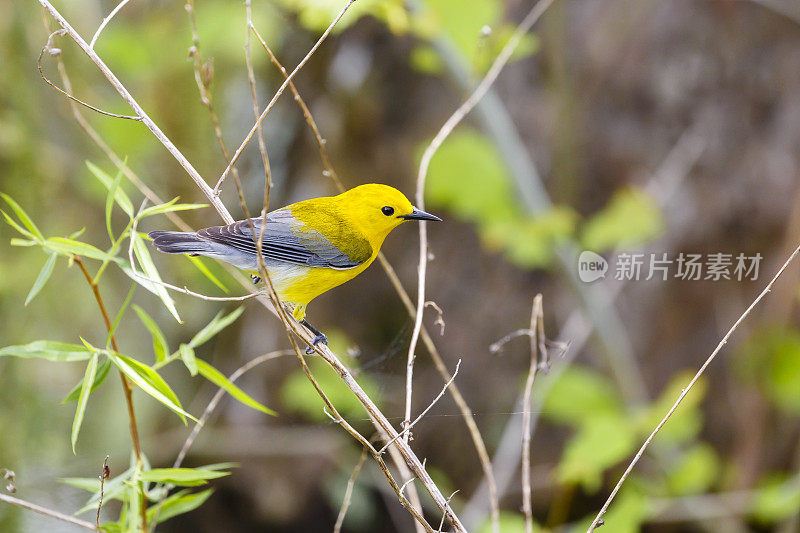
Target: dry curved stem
<point>47,512</point>
<point>126,387</point>
<point>251,78</point>
<point>56,52</point>
<point>598,519</point>
<point>105,22</point>
<point>348,493</point>
<point>278,94</point>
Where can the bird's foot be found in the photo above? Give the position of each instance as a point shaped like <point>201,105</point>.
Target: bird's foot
<point>255,279</point>
<point>319,337</point>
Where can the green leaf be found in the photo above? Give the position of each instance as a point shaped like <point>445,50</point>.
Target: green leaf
<point>160,346</point>
<point>188,358</point>
<point>177,504</point>
<point>215,376</point>
<point>44,275</point>
<point>83,399</point>
<point>70,247</point>
<point>181,477</point>
<point>601,442</point>
<point>169,207</point>
<point>695,472</point>
<point>777,498</point>
<point>530,241</point>
<point>149,381</point>
<point>113,489</point>
<point>630,218</point>
<point>468,176</point>
<point>22,242</point>
<point>120,313</point>
<point>579,395</point>
<point>110,204</point>
<point>143,256</point>
<point>23,216</point>
<point>199,265</point>
<point>100,376</point>
<point>115,191</point>
<point>13,223</point>
<point>50,350</point>
<point>217,324</point>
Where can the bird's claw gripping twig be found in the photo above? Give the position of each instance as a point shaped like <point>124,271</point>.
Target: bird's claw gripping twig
<point>319,337</point>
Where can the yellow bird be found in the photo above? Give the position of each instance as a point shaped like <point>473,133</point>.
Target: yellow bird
<point>309,247</point>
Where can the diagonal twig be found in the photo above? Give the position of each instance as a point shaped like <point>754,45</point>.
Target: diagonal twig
<point>598,519</point>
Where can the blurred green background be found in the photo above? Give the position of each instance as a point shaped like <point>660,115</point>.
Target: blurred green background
<point>619,125</point>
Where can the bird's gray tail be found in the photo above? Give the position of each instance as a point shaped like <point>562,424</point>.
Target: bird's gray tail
<point>179,242</point>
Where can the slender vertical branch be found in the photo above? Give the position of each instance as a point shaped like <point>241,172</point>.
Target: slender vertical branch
<point>126,387</point>
<point>536,352</point>
<point>348,494</point>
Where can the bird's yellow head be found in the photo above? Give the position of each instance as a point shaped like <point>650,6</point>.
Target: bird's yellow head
<point>378,209</point>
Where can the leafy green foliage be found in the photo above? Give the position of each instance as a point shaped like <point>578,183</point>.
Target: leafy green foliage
<point>100,376</point>
<point>149,381</point>
<point>149,268</point>
<point>777,498</point>
<point>685,423</point>
<point>631,218</point>
<point>160,346</point>
<point>83,398</point>
<point>50,350</point>
<point>509,523</point>
<point>177,504</point>
<point>599,443</point>
<point>181,477</point>
<point>42,278</point>
<point>216,377</point>
<point>695,472</point>
<point>579,395</point>
<point>467,176</point>
<point>771,360</point>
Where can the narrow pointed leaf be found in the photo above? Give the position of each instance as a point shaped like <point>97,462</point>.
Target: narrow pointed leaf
<point>160,346</point>
<point>23,216</point>
<point>72,247</point>
<point>119,195</point>
<point>44,275</point>
<point>183,477</point>
<point>188,358</point>
<point>168,207</point>
<point>177,504</point>
<point>149,381</point>
<point>143,255</point>
<point>217,324</point>
<point>199,265</point>
<point>102,372</point>
<point>83,399</point>
<point>13,223</point>
<point>217,378</point>
<point>50,350</point>
<point>110,204</point>
<point>22,242</point>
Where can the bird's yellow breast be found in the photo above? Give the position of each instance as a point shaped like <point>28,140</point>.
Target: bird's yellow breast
<point>298,285</point>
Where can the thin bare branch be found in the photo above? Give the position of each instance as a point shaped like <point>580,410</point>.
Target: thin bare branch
<point>106,21</point>
<point>537,318</point>
<point>104,475</point>
<point>407,429</point>
<point>145,118</point>
<point>348,494</point>
<point>47,512</point>
<point>278,94</point>
<point>596,522</point>
<point>494,71</point>
<point>251,77</point>
<point>57,52</point>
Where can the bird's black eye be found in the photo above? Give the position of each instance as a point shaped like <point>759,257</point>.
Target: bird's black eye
<point>387,210</point>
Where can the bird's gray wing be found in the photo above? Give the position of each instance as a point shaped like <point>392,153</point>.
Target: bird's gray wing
<point>285,241</point>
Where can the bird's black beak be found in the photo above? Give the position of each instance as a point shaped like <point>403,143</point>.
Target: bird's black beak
<point>417,214</point>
